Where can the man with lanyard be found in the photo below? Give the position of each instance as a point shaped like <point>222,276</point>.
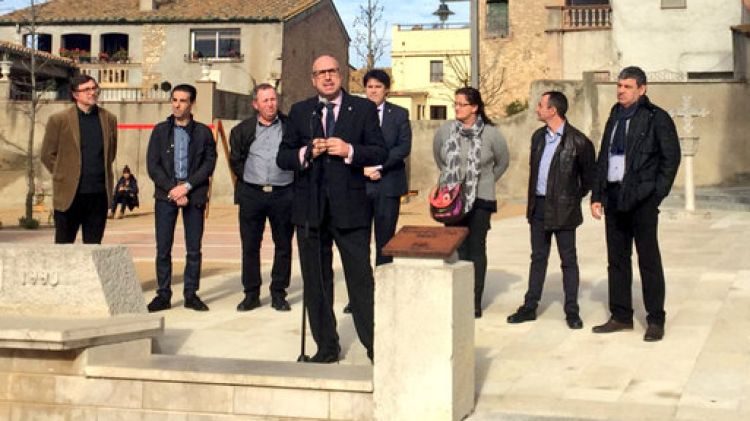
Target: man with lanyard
<point>181,158</point>
<point>263,192</point>
<point>638,161</point>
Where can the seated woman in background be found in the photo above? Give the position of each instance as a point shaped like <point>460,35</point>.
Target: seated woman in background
<point>126,193</point>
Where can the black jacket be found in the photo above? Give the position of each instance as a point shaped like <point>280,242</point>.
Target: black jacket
<point>343,184</point>
<point>201,160</point>
<point>240,139</point>
<point>652,157</point>
<point>571,174</point>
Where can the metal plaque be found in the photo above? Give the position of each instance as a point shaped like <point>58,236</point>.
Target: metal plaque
<point>425,242</point>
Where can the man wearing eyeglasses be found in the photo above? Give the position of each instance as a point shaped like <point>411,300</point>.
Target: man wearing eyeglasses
<point>79,147</point>
<point>331,137</point>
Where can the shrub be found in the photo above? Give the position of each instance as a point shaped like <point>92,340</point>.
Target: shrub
<point>30,224</point>
<point>516,107</point>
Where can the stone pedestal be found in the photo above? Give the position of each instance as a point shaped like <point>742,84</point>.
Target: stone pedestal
<point>689,146</point>
<point>424,340</point>
<point>68,280</point>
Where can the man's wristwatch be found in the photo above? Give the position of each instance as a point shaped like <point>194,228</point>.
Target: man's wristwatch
<point>188,186</point>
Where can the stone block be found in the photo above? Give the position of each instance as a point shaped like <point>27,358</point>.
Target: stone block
<point>59,334</point>
<point>351,406</point>
<point>32,388</point>
<point>187,397</point>
<point>119,414</point>
<point>36,412</point>
<point>138,349</point>
<point>424,340</point>
<point>293,403</point>
<point>68,280</point>
<point>46,362</point>
<point>81,391</point>
<point>4,385</point>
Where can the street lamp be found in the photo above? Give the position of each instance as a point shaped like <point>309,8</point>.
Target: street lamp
<point>443,12</point>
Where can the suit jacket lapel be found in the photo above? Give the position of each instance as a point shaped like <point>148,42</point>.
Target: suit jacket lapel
<point>75,128</point>
<point>344,119</point>
<point>105,134</point>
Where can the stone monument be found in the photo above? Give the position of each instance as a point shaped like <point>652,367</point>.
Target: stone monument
<point>68,281</point>
<point>424,328</point>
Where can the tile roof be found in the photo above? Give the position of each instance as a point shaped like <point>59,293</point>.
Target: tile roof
<point>18,48</point>
<point>121,11</point>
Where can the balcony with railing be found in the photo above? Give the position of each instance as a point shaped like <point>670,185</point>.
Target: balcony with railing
<point>579,18</point>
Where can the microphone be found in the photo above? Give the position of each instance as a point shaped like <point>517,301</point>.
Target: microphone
<point>314,123</point>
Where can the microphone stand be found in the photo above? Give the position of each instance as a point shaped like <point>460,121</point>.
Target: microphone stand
<point>315,189</point>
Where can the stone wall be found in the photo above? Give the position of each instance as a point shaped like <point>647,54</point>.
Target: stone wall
<point>98,383</point>
<point>518,59</point>
<point>303,42</point>
<point>723,154</point>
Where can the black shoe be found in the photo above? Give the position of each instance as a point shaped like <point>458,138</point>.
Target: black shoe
<point>325,357</point>
<point>574,321</point>
<point>523,314</point>
<point>348,308</point>
<point>159,303</point>
<point>194,302</point>
<point>280,304</point>
<point>477,313</point>
<point>654,333</point>
<point>248,303</point>
<point>612,325</point>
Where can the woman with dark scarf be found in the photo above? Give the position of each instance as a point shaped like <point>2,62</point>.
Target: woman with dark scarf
<point>126,193</point>
<point>471,151</point>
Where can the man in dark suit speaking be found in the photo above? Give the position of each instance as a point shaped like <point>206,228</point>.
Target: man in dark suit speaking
<point>331,137</point>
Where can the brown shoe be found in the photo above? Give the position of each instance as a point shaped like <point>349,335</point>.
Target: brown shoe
<point>654,333</point>
<point>612,325</point>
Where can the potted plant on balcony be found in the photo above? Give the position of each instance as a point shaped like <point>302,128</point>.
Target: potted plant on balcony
<point>103,57</point>
<point>120,56</point>
<point>196,55</point>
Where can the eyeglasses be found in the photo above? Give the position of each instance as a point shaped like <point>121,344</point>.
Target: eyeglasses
<point>460,104</point>
<point>87,90</point>
<point>325,72</point>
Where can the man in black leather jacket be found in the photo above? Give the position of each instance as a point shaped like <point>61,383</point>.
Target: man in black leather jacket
<point>181,158</point>
<point>638,160</point>
<point>561,172</point>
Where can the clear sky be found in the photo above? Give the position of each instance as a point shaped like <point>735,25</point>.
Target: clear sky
<point>395,12</point>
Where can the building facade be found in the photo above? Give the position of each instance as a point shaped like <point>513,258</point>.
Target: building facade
<point>429,62</point>
<point>140,49</point>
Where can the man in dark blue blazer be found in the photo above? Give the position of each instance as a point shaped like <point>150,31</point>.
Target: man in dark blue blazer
<point>330,138</point>
<point>387,181</point>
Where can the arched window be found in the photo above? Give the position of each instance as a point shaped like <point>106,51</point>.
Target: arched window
<point>76,46</point>
<point>114,47</point>
<point>39,42</point>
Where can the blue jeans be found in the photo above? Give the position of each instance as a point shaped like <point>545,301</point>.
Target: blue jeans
<point>192,221</point>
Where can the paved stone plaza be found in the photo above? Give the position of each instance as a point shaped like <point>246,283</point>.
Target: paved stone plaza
<point>537,370</point>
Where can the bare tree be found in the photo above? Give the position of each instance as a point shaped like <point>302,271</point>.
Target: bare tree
<point>491,78</point>
<point>29,27</point>
<point>369,41</point>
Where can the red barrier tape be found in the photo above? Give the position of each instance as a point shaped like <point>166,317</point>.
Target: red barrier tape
<point>127,126</point>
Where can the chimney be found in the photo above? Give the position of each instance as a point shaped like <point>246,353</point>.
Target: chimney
<point>147,5</point>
